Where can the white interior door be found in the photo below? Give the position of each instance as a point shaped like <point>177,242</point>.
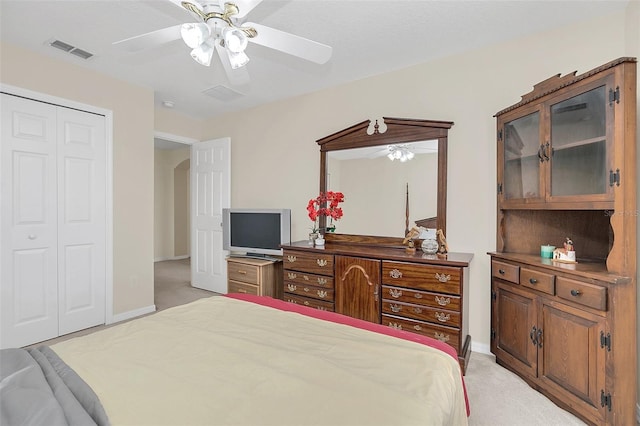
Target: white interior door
<point>81,220</point>
<point>28,218</point>
<point>210,193</point>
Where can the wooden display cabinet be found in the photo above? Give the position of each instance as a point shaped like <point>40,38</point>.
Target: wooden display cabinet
<point>567,169</point>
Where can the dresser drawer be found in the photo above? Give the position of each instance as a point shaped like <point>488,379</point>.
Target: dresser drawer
<point>505,271</point>
<point>436,300</point>
<point>586,294</point>
<point>242,272</point>
<point>296,277</point>
<point>315,263</point>
<point>421,312</point>
<point>312,303</point>
<point>441,279</point>
<point>238,287</point>
<point>537,280</point>
<point>447,335</point>
<point>310,291</point>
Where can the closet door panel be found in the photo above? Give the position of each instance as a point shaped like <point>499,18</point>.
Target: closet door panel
<point>28,221</point>
<point>81,220</point>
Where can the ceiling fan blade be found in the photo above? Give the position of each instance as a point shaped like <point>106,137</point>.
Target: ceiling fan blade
<point>237,77</point>
<point>290,43</point>
<point>152,39</point>
<point>244,6</point>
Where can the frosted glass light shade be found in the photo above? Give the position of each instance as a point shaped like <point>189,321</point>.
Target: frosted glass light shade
<point>194,34</point>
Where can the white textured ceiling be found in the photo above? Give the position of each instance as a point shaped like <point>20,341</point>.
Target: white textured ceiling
<point>368,37</point>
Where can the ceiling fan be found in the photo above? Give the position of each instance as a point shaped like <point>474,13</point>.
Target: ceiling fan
<point>220,27</point>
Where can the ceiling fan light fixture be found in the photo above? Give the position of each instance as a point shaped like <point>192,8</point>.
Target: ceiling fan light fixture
<point>237,60</point>
<point>203,54</point>
<point>235,40</point>
<point>194,34</point>
<point>399,152</point>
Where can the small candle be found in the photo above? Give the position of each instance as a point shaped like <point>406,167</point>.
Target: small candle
<point>546,252</point>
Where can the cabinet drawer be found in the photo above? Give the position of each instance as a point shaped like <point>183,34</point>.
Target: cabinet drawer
<point>308,262</point>
<point>312,303</point>
<point>436,300</point>
<point>296,277</point>
<point>242,272</point>
<point>537,280</point>
<point>441,279</point>
<point>421,312</point>
<point>505,271</point>
<point>586,294</point>
<point>238,287</point>
<point>310,291</point>
<point>447,335</point>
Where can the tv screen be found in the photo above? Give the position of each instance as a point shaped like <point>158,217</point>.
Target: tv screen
<point>256,232</point>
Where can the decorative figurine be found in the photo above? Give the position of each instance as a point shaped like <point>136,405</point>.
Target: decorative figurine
<point>413,233</point>
<point>565,254</point>
<point>443,247</point>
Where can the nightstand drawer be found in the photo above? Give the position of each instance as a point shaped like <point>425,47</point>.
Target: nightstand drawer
<point>242,272</point>
<point>537,280</point>
<point>238,287</point>
<point>315,263</point>
<point>505,271</point>
<point>586,294</point>
<point>422,277</point>
<point>436,300</point>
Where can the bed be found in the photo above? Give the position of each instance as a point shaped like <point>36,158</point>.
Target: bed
<point>243,360</point>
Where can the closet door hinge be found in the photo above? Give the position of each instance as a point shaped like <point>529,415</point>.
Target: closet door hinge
<point>499,188</point>
<point>614,96</point>
<point>493,334</point>
<point>614,177</point>
<point>605,399</point>
<point>500,134</point>
<point>605,341</point>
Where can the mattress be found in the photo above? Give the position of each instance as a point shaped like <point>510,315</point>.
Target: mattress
<point>245,360</point>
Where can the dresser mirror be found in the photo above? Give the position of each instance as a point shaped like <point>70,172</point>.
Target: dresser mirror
<point>385,197</point>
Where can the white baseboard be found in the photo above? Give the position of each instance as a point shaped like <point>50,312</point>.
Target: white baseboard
<point>132,314</point>
<point>162,259</point>
<point>481,348</point>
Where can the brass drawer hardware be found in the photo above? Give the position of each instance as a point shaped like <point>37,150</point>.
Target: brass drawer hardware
<point>395,273</point>
<point>443,278</point>
<point>443,301</point>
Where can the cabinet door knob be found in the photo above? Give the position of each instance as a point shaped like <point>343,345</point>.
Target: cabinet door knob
<point>576,292</point>
<point>533,281</point>
<point>501,271</point>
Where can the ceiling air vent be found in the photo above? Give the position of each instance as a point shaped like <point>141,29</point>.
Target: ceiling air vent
<point>70,49</point>
<point>223,93</point>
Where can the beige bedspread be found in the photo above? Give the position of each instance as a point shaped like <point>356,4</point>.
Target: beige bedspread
<point>220,361</point>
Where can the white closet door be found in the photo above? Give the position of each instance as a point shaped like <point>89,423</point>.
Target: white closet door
<point>81,219</point>
<point>28,222</point>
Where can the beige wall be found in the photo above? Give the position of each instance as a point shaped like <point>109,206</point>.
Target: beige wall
<point>467,89</point>
<point>165,198</point>
<point>132,108</point>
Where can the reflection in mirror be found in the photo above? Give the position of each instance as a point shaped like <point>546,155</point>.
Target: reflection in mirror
<point>377,189</point>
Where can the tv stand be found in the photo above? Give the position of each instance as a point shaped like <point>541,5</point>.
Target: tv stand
<point>250,275</point>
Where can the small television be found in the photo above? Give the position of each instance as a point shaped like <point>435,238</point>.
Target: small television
<point>255,232</point>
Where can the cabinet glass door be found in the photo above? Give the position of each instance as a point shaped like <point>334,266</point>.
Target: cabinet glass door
<point>579,145</point>
<point>521,157</point>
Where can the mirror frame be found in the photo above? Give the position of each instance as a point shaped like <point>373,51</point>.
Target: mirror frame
<point>399,130</point>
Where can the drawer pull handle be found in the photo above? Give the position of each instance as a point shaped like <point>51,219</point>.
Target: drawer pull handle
<point>443,278</point>
<point>291,275</point>
<point>306,289</point>
<point>322,281</point>
<point>242,272</point>
<point>395,293</point>
<point>306,303</point>
<point>441,336</point>
<point>443,301</point>
<point>321,308</point>
<point>291,258</point>
<point>394,273</point>
<point>291,287</point>
<point>417,310</point>
<point>395,325</point>
<point>322,262</point>
<point>502,271</point>
<point>417,295</point>
<point>576,292</point>
<point>442,317</point>
<point>322,293</point>
<point>395,308</point>
<point>242,291</point>
<point>417,327</point>
<point>306,278</point>
<point>533,281</point>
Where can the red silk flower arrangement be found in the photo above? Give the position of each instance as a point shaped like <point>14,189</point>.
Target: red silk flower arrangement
<point>325,204</point>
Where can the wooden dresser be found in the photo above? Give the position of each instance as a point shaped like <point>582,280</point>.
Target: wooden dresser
<point>567,169</point>
<point>262,277</point>
<point>384,284</point>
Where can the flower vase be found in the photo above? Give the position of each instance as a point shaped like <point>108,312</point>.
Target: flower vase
<point>312,238</point>
<point>320,241</point>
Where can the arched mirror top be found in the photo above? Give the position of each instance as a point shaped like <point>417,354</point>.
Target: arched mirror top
<point>395,131</point>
